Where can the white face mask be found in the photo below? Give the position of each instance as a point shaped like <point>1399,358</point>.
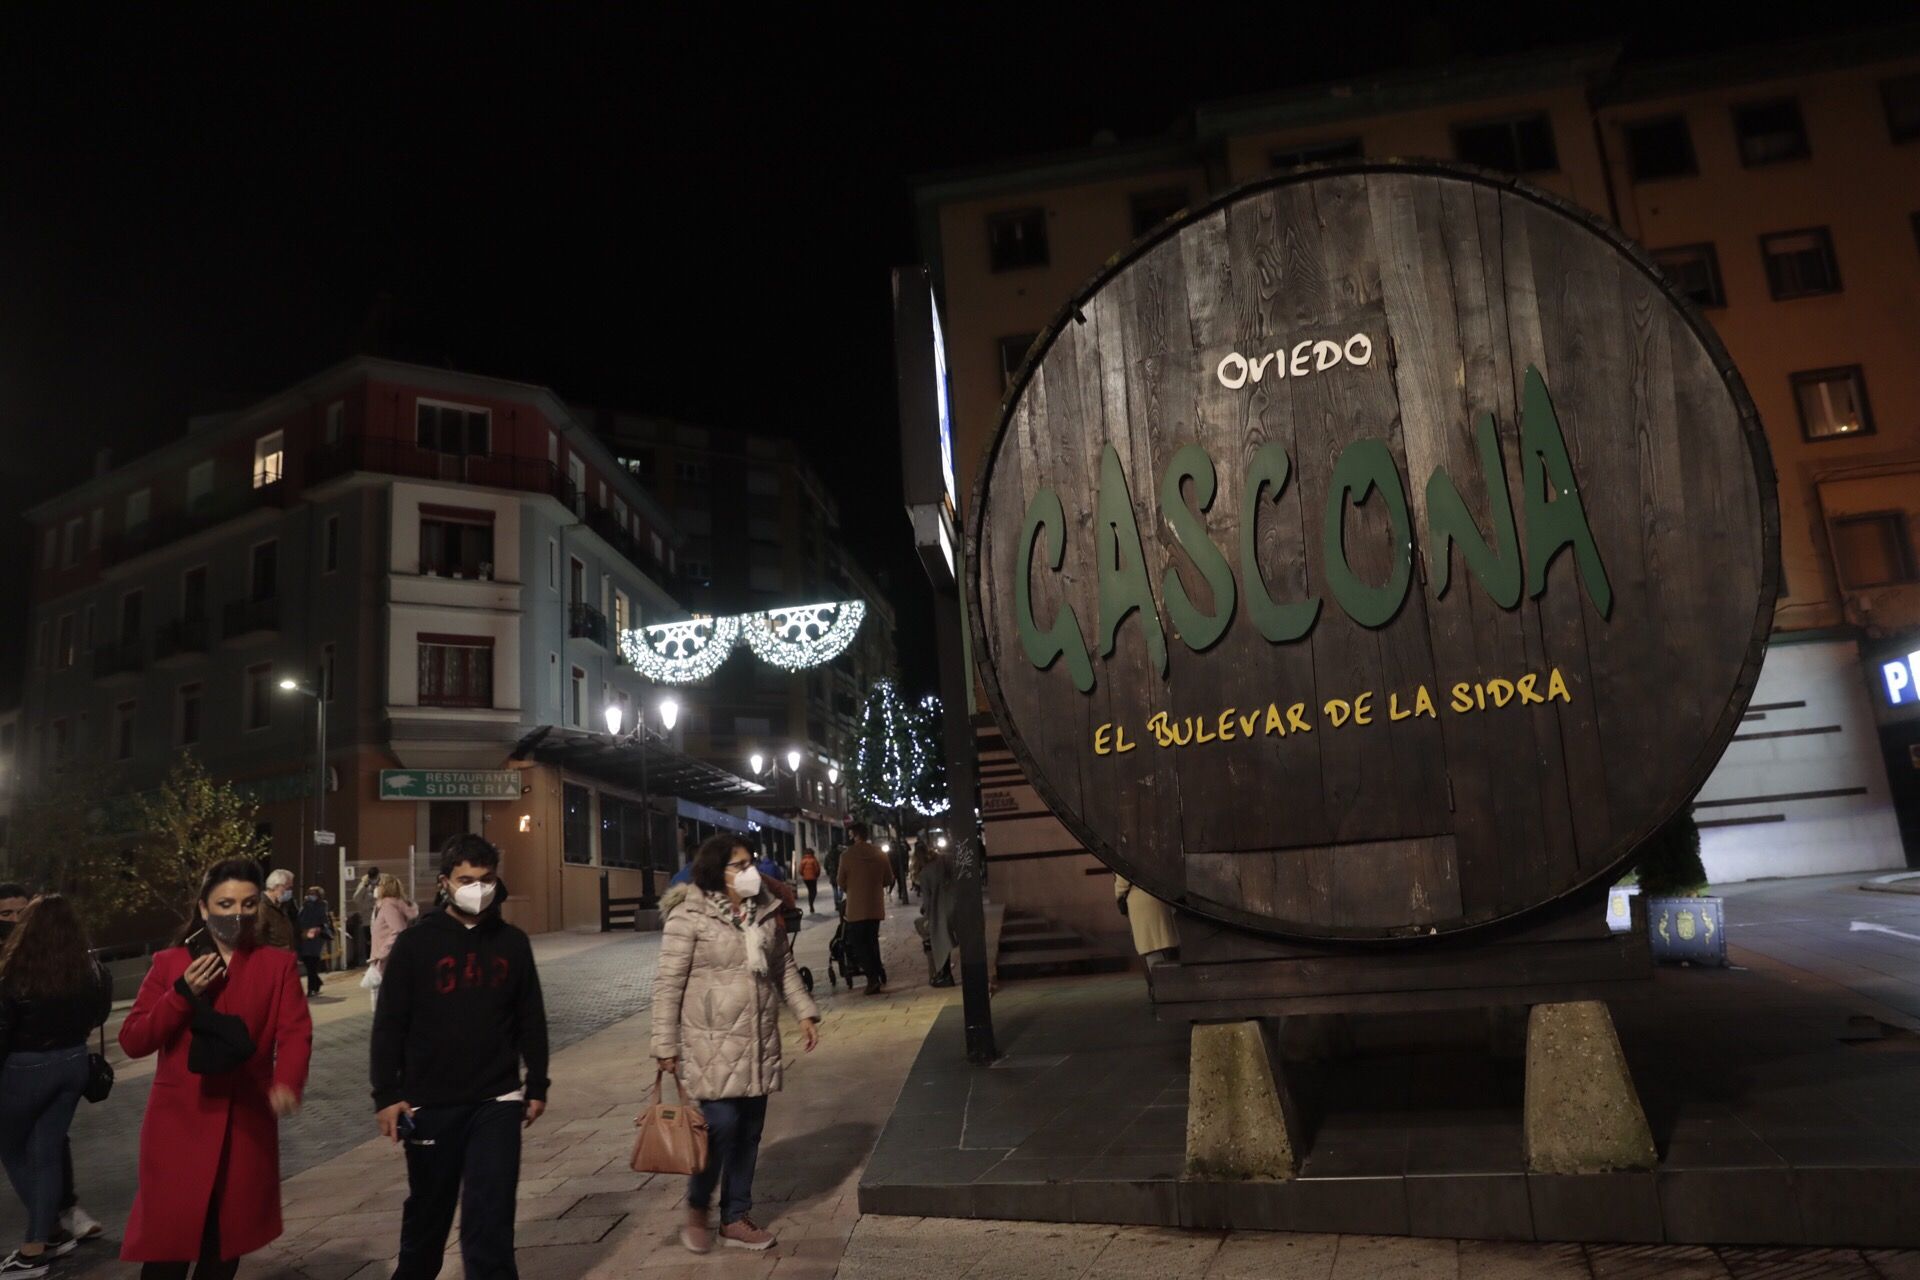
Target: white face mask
<point>474,898</point>
<point>747,883</point>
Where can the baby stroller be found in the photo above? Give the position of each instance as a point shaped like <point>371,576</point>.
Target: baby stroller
<point>842,956</point>
<point>790,918</point>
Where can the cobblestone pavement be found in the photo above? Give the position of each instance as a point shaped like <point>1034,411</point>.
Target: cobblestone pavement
<point>589,984</point>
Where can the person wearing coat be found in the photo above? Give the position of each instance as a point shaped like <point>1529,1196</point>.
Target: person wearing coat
<point>721,978</point>
<point>316,930</point>
<point>1153,932</point>
<point>276,925</point>
<point>391,913</point>
<point>936,913</point>
<point>865,875</point>
<point>210,1143</point>
<point>810,876</point>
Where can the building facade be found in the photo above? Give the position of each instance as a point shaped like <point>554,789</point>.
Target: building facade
<point>434,558</point>
<point>1780,188</point>
<point>761,530</point>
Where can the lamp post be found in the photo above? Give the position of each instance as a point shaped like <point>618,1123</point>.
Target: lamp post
<point>642,734</point>
<point>795,758</point>
<point>316,691</point>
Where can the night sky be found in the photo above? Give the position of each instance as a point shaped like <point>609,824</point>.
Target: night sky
<point>689,215</point>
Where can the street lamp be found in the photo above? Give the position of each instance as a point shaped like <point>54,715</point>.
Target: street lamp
<point>793,760</point>
<point>315,691</point>
<point>833,775</point>
<point>757,763</point>
<point>642,734</point>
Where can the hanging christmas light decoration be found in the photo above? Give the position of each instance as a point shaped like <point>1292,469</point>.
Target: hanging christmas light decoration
<point>803,635</point>
<point>680,652</point>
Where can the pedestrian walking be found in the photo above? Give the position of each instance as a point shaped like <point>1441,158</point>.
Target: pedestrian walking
<point>810,876</point>
<point>233,1036</point>
<point>276,908</point>
<point>935,924</point>
<point>897,858</point>
<point>392,913</point>
<point>1154,936</point>
<point>865,874</point>
<point>460,1011</point>
<point>316,930</point>
<point>359,924</point>
<point>52,996</point>
<point>723,971</point>
<point>832,867</point>
<point>74,1220</point>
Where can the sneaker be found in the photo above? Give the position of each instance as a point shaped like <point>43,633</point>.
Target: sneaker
<point>19,1267</point>
<point>81,1224</point>
<point>696,1236</point>
<point>61,1243</point>
<point>744,1235</point>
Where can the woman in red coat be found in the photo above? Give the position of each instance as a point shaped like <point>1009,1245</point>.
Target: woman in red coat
<point>210,1145</point>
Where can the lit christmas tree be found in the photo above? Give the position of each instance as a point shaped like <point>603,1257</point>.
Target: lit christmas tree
<point>886,763</point>
<point>930,796</point>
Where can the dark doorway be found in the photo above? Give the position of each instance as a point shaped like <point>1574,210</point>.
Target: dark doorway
<point>445,820</point>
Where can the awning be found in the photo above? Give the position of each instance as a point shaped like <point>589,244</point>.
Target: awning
<point>668,772</point>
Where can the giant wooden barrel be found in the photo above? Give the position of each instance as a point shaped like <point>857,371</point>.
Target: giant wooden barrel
<point>1380,551</point>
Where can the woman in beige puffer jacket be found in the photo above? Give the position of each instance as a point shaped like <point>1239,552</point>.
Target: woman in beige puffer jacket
<point>722,975</point>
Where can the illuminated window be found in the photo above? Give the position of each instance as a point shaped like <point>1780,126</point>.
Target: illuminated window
<point>1770,132</point>
<point>456,671</point>
<point>269,459</point>
<point>1017,239</point>
<point>1833,403</point>
<point>1695,271</point>
<point>1800,264</point>
<point>1873,550</point>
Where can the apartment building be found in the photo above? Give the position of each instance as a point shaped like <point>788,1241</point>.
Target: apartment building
<point>1779,187</point>
<point>433,558</point>
<point>761,530</point>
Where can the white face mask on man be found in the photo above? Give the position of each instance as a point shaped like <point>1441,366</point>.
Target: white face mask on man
<point>474,898</point>
<point>747,883</point>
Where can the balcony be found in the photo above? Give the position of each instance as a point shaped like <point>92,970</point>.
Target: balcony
<point>404,458</point>
<point>584,622</point>
<point>250,619</point>
<point>170,527</point>
<point>118,661</point>
<point>181,639</point>
<point>603,522</point>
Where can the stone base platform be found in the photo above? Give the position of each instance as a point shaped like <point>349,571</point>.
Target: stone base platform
<point>1776,1123</point>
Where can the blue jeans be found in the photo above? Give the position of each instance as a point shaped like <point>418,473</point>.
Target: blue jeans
<point>38,1092</point>
<point>733,1147</point>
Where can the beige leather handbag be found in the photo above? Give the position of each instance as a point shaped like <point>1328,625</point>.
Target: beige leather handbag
<point>673,1135</point>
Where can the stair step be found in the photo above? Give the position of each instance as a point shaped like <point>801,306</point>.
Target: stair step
<point>1019,928</point>
<point>1056,963</point>
<point>1059,939</point>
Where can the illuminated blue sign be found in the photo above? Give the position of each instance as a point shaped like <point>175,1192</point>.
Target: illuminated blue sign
<point>1903,680</point>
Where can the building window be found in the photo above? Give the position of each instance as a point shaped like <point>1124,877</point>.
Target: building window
<point>765,577</point>
<point>577,699</point>
<point>193,593</point>
<point>577,476</point>
<point>1695,271</point>
<point>622,614</point>
<point>452,428</point>
<point>763,482</point>
<point>1522,144</point>
<point>1013,351</point>
<point>553,565</point>
<point>131,607</point>
<point>1017,239</point>
<point>576,824</point>
<point>1151,208</point>
<point>576,581</point>
<point>330,545</point>
<point>698,573</point>
<point>1770,132</point>
<point>764,529</point>
<point>269,459</point>
<point>1800,264</point>
<point>1660,148</point>
<point>186,715</point>
<point>263,571</point>
<point>1873,550</point>
<point>456,548</point>
<point>257,697</point>
<point>123,731</point>
<point>63,642</point>
<point>1901,97</point>
<point>139,507</point>
<point>336,422</point>
<point>200,483</point>
<point>86,630</point>
<point>692,472</point>
<point>1315,153</point>
<point>70,545</point>
<point>1833,403</point>
<point>95,520</point>
<point>456,671</point>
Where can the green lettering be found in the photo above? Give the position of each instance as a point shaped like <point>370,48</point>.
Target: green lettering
<point>1364,466</point>
<point>1448,522</point>
<point>1199,630</point>
<point>1063,637</point>
<point>1279,623</point>
<point>1123,564</point>
<point>1557,521</point>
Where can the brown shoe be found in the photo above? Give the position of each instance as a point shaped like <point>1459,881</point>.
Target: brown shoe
<point>696,1235</point>
<point>744,1235</point>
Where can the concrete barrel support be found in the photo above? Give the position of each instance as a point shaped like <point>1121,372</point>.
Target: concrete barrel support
<point>1583,1113</point>
<point>1241,1121</point>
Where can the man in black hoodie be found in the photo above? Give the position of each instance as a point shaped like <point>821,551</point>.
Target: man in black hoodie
<point>459,1011</point>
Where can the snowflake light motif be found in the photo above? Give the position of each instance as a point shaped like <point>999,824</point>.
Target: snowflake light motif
<point>803,635</point>
<point>680,652</point>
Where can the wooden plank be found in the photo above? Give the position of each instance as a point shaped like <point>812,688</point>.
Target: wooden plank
<point>1621,956</point>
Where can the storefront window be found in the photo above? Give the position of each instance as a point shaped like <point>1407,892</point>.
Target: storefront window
<point>578,824</point>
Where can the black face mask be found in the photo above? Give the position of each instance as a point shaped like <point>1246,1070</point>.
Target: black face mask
<point>231,931</point>
<point>6,927</point>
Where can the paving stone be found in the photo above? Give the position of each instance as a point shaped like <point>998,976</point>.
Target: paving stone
<point>1500,1260</point>
<point>1395,1258</point>
<point>1272,1255</point>
<point>1654,1262</point>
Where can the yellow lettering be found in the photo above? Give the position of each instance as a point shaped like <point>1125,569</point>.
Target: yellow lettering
<point>1337,712</point>
<point>1201,735</point>
<point>1526,690</point>
<point>1157,726</point>
<point>1480,695</point>
<point>1100,737</point>
<point>1186,722</point>
<point>1225,730</point>
<point>1501,691</point>
<point>1297,718</point>
<point>1558,685</point>
<point>1274,723</point>
<point>1423,704</point>
<point>1462,697</point>
<point>1393,708</point>
<point>1363,709</point>
<point>1120,744</point>
<point>1247,722</point>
